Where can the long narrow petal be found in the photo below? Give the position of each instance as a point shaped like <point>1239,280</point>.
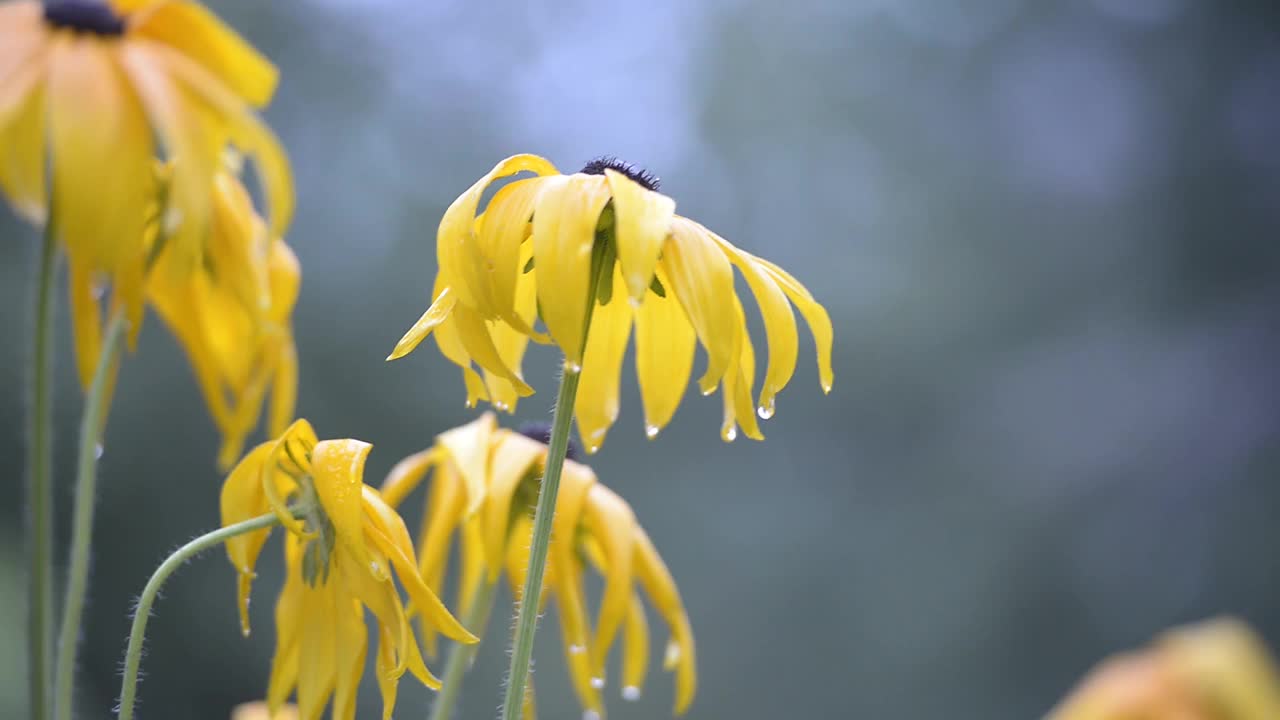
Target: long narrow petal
<point>440,309</point>
<point>702,280</point>
<point>635,658</point>
<point>86,319</point>
<point>474,333</point>
<point>457,255</point>
<point>664,357</point>
<point>242,498</point>
<point>284,385</point>
<point>574,630</point>
<point>352,644</point>
<point>289,621</point>
<point>643,220</point>
<point>468,448</point>
<point>737,386</point>
<point>814,314</point>
<point>609,519</point>
<point>196,32</point>
<point>500,244</point>
<point>657,582</point>
<point>596,407</point>
<point>564,230</point>
<point>337,472</point>
<point>22,134</point>
<point>406,475</point>
<point>514,457</point>
<point>318,666</point>
<point>511,336</point>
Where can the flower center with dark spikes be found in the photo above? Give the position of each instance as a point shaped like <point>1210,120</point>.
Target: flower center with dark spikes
<point>635,172</point>
<point>541,431</point>
<point>88,16</point>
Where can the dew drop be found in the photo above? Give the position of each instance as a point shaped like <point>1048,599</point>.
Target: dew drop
<point>597,682</point>
<point>97,451</point>
<point>672,655</point>
<point>651,431</point>
<point>635,302</point>
<point>764,412</point>
<point>576,649</point>
<point>826,387</point>
<point>705,393</point>
<point>731,434</point>
<point>244,632</point>
<point>631,693</point>
<point>574,368</point>
<point>593,449</point>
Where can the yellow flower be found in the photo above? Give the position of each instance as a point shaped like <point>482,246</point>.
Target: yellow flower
<point>339,558</point>
<point>485,481</point>
<point>1214,670</point>
<point>259,711</point>
<point>232,316</point>
<point>676,274</point>
<point>86,86</point>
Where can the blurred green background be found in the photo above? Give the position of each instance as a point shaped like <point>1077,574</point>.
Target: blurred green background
<point>1045,232</point>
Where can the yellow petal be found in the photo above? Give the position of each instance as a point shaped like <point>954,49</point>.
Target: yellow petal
<point>284,386</point>
<point>514,458</point>
<point>596,407</point>
<point>445,507</point>
<point>471,573</point>
<point>289,621</point>
<point>512,338</point>
<point>405,476</point>
<point>102,155</point>
<point>664,357</point>
<point>337,471</point>
<point>288,451</point>
<point>500,244</point>
<point>243,499</point>
<point>635,658</point>
<point>457,254</point>
<point>23,112</point>
<point>468,448</point>
<point>474,333</point>
<point>1228,664</point>
<point>86,319</point>
<point>610,521</point>
<point>737,387</point>
<point>440,309</point>
<point>564,228</point>
<point>643,222</point>
<point>352,643</point>
<point>573,630</point>
<point>656,580</point>
<point>814,314</point>
<point>318,662</point>
<point>197,33</point>
<point>702,280</point>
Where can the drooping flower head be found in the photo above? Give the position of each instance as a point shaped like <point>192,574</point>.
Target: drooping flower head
<point>1214,670</point>
<point>484,481</point>
<point>541,244</point>
<point>232,315</point>
<point>339,557</point>
<point>86,87</point>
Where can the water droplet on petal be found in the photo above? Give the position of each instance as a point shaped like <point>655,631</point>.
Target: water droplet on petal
<point>672,655</point>
<point>705,393</point>
<point>97,451</point>
<point>631,693</point>
<point>635,302</point>
<point>244,632</point>
<point>597,682</point>
<point>574,368</point>
<point>576,649</point>
<point>651,431</point>
<point>731,433</point>
<point>593,449</point>
<point>764,412</point>
<point>826,387</point>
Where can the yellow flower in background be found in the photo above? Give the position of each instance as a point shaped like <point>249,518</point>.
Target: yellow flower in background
<point>1214,670</point>
<point>531,253</point>
<point>485,480</point>
<point>339,558</point>
<point>232,316</point>
<point>87,87</point>
<point>259,711</point>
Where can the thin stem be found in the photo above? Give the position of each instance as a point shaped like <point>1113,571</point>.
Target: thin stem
<point>461,656</point>
<point>40,499</point>
<point>557,447</point>
<point>133,655</point>
<point>91,422</point>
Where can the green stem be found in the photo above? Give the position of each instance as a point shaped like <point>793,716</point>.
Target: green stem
<point>557,448</point>
<point>461,656</point>
<point>91,422</point>
<point>40,498</point>
<point>133,655</point>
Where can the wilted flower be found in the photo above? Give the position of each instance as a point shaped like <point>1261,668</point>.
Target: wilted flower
<point>339,557</point>
<point>485,479</point>
<point>542,243</point>
<point>1214,670</point>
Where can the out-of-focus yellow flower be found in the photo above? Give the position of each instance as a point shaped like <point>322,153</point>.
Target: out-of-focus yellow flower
<point>531,254</point>
<point>1215,670</point>
<point>259,711</point>
<point>485,480</point>
<point>86,87</point>
<point>232,316</point>
<point>339,558</point>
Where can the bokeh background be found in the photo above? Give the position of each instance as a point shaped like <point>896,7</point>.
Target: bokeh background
<point>1045,232</point>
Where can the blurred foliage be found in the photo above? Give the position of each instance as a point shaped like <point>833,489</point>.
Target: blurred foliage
<point>1046,233</point>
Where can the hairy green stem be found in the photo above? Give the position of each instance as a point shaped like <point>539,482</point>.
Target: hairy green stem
<point>40,495</point>
<point>91,423</point>
<point>133,654</point>
<point>461,656</point>
<point>557,448</point>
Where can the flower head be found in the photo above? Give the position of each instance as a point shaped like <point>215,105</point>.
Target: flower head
<point>1214,670</point>
<point>232,316</point>
<point>543,242</point>
<point>86,87</point>
<point>485,479</point>
<point>339,557</point>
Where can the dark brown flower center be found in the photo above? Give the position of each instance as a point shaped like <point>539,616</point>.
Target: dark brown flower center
<point>88,16</point>
<point>541,431</point>
<point>635,172</point>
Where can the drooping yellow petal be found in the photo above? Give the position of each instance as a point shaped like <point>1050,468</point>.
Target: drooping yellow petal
<point>512,337</point>
<point>439,310</point>
<point>737,386</point>
<point>609,519</point>
<point>337,472</point>
<point>643,220</point>
<point>457,253</point>
<point>196,32</point>
<point>471,571</point>
<point>288,455</point>
<point>406,475</point>
<point>351,640</point>
<point>86,319</point>
<point>445,507</point>
<point>318,664</point>
<point>814,314</point>
<point>702,280</point>
<point>23,130</point>
<point>564,229</point>
<point>500,244</point>
<point>664,357</point>
<point>635,658</point>
<point>284,386</point>
<point>1228,664</point>
<point>596,407</point>
<point>514,458</point>
<point>574,630</point>
<point>656,580</point>
<point>242,499</point>
<point>474,333</point>
<point>468,448</point>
